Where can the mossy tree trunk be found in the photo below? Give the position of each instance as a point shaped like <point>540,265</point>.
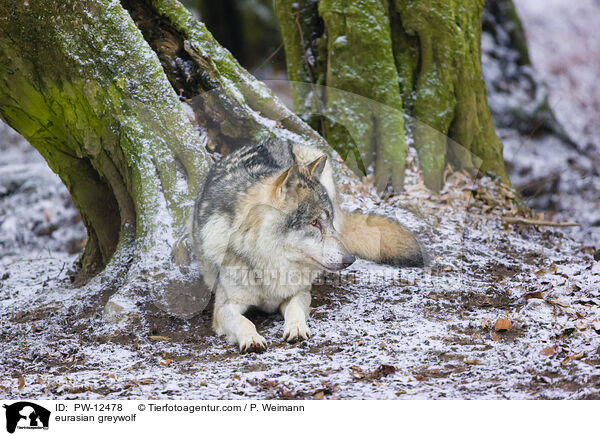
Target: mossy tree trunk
<point>97,87</point>
<point>417,57</point>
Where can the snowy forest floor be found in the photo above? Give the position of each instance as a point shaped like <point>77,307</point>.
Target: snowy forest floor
<point>502,311</point>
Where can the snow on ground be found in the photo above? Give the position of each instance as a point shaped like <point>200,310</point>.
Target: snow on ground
<point>378,332</point>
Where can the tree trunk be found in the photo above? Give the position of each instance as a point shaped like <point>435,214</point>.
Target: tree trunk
<point>84,82</point>
<point>421,57</point>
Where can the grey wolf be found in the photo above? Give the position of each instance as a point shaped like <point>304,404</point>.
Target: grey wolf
<point>266,223</point>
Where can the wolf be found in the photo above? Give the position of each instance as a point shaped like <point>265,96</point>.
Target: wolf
<point>266,223</point>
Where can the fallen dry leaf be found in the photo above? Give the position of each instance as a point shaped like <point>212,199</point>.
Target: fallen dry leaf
<point>502,325</point>
<point>537,295</point>
<point>558,303</point>
<point>495,336</point>
<point>356,372</point>
<point>319,395</point>
<point>159,338</point>
<point>385,370</point>
<point>550,270</point>
<point>21,383</point>
<point>567,359</point>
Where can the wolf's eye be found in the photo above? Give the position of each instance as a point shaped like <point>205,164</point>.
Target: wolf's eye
<point>316,223</point>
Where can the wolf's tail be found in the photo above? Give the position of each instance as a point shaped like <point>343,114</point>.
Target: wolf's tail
<point>381,240</point>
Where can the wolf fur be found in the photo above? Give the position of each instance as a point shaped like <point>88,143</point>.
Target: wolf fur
<point>266,222</point>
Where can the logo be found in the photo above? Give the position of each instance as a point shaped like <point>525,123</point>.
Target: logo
<point>26,415</point>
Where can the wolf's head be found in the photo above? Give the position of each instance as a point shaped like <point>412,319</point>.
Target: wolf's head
<point>306,226</point>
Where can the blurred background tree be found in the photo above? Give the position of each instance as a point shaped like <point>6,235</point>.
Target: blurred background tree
<point>247,28</point>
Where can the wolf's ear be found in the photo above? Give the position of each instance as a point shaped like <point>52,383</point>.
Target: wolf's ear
<point>287,179</point>
<point>317,166</point>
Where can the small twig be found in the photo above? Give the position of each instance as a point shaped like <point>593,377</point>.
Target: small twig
<point>60,272</point>
<point>517,220</point>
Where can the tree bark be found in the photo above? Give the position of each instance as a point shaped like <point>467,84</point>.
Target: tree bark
<point>98,91</point>
<point>421,58</point>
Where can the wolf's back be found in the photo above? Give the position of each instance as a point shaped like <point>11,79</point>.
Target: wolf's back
<point>233,176</point>
<point>381,240</point>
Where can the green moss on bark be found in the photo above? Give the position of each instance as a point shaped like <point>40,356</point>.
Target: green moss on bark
<point>78,80</point>
<point>360,60</point>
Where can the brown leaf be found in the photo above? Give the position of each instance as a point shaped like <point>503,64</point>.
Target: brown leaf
<point>356,372</point>
<point>319,395</point>
<point>530,295</point>
<point>473,362</point>
<point>385,370</point>
<point>21,383</point>
<point>495,336</point>
<point>159,338</point>
<point>550,270</point>
<point>548,351</point>
<point>567,359</point>
<point>502,324</point>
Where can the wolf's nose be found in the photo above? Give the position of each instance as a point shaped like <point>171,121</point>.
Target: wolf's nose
<point>348,260</point>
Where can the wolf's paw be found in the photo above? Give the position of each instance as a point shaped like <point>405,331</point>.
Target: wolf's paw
<point>252,343</point>
<point>295,331</point>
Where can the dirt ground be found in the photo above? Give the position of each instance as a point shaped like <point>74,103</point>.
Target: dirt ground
<point>378,332</point>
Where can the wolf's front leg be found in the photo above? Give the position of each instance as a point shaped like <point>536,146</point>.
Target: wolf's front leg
<point>228,319</point>
<point>295,311</point>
